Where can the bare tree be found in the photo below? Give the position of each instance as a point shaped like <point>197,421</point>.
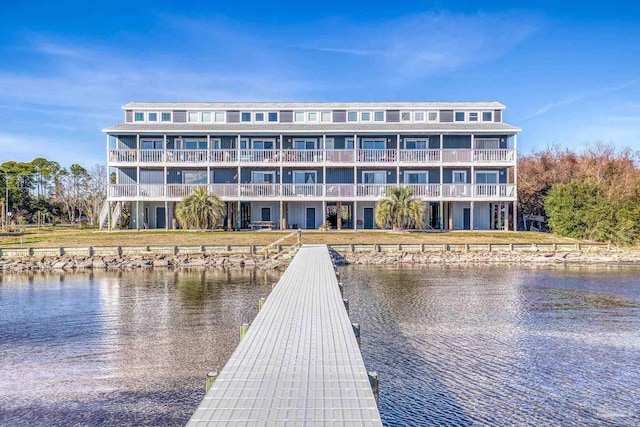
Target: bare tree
<point>95,193</point>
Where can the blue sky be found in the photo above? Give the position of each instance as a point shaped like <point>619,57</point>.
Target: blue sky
<point>568,72</point>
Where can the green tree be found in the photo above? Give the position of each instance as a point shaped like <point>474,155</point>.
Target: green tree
<point>200,210</point>
<point>585,210</point>
<point>400,210</point>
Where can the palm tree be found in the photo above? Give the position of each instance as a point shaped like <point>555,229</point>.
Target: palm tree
<point>200,210</point>
<point>400,210</point>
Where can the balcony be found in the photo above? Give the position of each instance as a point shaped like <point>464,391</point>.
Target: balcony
<point>318,191</point>
<point>417,157</point>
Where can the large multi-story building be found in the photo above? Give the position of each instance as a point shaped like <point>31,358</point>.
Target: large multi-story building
<point>290,165</point>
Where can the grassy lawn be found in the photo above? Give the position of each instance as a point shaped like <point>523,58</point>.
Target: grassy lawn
<point>70,237</point>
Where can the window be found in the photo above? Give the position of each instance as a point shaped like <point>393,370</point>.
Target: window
<point>411,177</point>
<point>166,117</point>
<point>486,143</point>
<point>365,116</point>
<point>265,214</point>
<point>263,177</point>
<point>378,177</point>
<point>259,117</point>
<point>432,116</point>
<point>262,145</point>
<point>378,116</point>
<point>329,144</point>
<point>348,143</point>
<point>273,117</point>
<point>416,144</point>
<point>312,117</point>
<point>152,117</point>
<point>206,116</point>
<point>418,116</point>
<point>405,116</point>
<point>325,116</point>
<point>151,144</point>
<point>298,116</point>
<point>304,144</point>
<point>373,144</point>
<point>193,116</point>
<point>246,117</point>
<point>191,144</point>
<point>459,116</point>
<point>459,177</point>
<point>194,177</point>
<point>304,177</point>
<point>219,117</point>
<point>486,116</point>
<point>487,177</point>
<point>215,144</point>
<point>473,117</point>
<point>139,117</point>
<point>352,116</point>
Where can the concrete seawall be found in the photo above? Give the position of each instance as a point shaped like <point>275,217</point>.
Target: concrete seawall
<point>239,260</point>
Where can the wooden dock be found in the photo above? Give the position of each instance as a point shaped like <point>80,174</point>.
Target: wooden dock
<point>299,363</point>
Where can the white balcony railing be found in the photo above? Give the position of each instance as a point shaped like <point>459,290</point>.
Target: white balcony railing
<point>339,156</point>
<point>494,156</point>
<point>456,155</point>
<point>425,190</point>
<point>223,156</point>
<point>457,190</point>
<point>259,156</point>
<point>342,191</point>
<point>259,190</point>
<point>419,156</point>
<point>339,190</point>
<point>302,156</point>
<point>377,156</point>
<point>123,156</point>
<point>302,190</point>
<point>373,190</point>
<point>495,190</point>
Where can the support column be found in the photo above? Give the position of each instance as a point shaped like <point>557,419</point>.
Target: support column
<point>281,215</point>
<point>324,212</point>
<point>339,217</point>
<point>166,215</point>
<point>109,225</point>
<point>515,216</point>
<point>138,215</point>
<point>238,216</point>
<point>515,181</point>
<point>450,214</point>
<point>441,213</point>
<point>506,215</point>
<point>355,215</point>
<point>471,215</point>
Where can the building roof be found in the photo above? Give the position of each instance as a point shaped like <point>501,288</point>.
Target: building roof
<point>291,128</point>
<point>310,105</point>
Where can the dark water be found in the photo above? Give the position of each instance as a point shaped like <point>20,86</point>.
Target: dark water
<point>458,346</point>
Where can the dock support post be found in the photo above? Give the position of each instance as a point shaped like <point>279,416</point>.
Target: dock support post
<point>211,378</point>
<point>273,285</point>
<point>261,303</point>
<point>299,235</point>
<point>346,305</point>
<point>341,287</point>
<point>356,331</point>
<point>243,330</point>
<point>375,382</point>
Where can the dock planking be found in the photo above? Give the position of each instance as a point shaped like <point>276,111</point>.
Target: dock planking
<point>299,363</point>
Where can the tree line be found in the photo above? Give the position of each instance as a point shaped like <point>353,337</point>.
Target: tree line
<point>590,194</point>
<point>43,192</point>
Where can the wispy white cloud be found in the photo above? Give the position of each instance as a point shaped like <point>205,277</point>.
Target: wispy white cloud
<point>421,45</point>
<point>582,96</point>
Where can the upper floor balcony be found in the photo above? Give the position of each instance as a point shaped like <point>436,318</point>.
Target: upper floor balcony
<point>175,192</point>
<point>293,157</point>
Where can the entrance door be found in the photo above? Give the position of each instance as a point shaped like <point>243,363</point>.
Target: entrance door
<point>311,218</point>
<point>245,215</point>
<point>160,217</point>
<point>368,218</point>
<point>466,218</point>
